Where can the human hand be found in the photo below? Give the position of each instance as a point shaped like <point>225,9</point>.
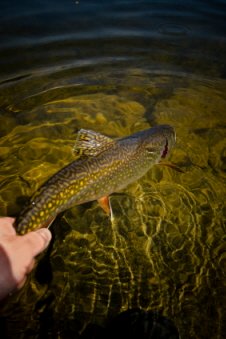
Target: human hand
<point>17,254</point>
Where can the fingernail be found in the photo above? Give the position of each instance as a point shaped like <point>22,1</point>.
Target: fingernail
<point>45,234</point>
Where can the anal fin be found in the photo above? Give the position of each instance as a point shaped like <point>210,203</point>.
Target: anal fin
<point>48,223</point>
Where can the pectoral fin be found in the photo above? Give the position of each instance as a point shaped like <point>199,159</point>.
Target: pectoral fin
<point>171,165</point>
<point>105,204</point>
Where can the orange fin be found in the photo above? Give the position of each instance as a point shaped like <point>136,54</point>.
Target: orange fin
<point>106,206</point>
<point>171,165</point>
<point>48,223</point>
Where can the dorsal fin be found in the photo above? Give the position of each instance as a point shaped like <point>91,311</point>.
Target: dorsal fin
<point>91,143</point>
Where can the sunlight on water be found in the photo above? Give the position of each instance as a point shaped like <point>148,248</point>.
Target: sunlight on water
<point>166,247</point>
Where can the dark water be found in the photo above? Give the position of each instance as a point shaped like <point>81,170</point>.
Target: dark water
<point>117,67</point>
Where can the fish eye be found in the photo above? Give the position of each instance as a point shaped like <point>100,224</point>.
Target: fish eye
<point>150,150</point>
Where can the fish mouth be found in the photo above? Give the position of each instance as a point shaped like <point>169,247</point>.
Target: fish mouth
<point>165,150</point>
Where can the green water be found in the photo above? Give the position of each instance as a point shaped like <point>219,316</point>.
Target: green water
<point>166,250</point>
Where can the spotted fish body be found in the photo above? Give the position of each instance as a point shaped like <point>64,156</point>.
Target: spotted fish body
<point>104,166</point>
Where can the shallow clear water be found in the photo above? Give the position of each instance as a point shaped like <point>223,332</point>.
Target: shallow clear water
<point>117,67</point>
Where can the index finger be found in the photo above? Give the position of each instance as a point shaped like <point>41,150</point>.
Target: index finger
<point>37,241</point>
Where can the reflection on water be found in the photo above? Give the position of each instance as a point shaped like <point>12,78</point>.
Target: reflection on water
<point>166,250</point>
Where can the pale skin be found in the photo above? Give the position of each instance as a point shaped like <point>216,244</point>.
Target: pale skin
<point>17,254</point>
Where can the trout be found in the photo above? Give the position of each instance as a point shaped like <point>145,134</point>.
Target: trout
<point>104,166</point>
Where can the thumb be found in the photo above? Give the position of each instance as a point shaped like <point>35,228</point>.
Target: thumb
<point>38,240</point>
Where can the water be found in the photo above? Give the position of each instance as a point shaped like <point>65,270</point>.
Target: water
<point>117,67</point>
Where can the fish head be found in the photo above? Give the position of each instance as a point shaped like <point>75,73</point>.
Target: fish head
<point>157,142</point>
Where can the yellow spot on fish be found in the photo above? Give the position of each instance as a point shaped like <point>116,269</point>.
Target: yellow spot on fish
<point>50,205</point>
<point>41,214</point>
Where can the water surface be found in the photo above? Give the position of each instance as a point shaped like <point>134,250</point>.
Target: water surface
<point>118,67</point>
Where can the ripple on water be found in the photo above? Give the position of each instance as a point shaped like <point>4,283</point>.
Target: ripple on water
<point>173,30</point>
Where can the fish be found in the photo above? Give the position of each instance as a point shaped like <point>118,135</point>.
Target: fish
<point>102,166</point>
